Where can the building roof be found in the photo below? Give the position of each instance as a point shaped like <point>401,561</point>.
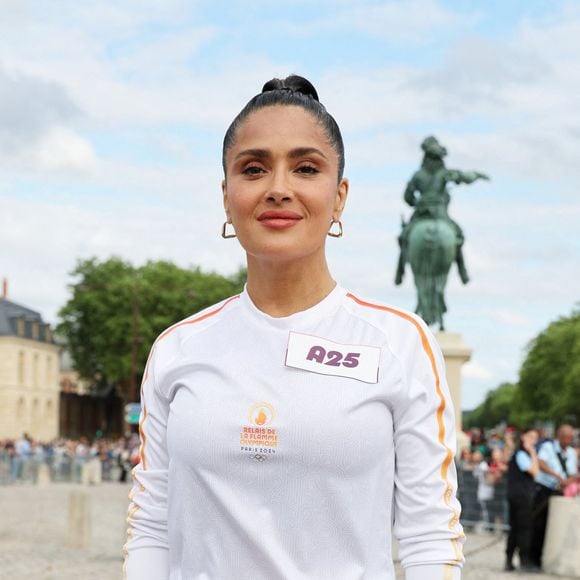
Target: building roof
<point>11,313</point>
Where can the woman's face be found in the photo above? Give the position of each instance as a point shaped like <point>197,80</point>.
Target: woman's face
<point>531,438</point>
<point>281,190</point>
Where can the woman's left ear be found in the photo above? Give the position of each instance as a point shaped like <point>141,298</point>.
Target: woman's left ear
<point>341,195</point>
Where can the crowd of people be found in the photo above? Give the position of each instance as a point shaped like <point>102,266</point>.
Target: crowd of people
<point>482,467</point>
<point>506,480</point>
<point>21,459</point>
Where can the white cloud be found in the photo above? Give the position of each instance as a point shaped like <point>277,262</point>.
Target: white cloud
<point>164,58</point>
<point>508,317</point>
<point>64,150</point>
<point>392,22</point>
<point>408,21</point>
<point>29,108</point>
<point>37,133</point>
<point>473,370</point>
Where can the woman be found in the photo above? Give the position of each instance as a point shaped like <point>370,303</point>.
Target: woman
<point>523,468</point>
<point>485,489</point>
<point>284,429</point>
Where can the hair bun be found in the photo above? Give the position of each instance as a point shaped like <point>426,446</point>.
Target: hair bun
<point>293,83</point>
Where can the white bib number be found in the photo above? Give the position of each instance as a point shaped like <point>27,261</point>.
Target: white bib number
<point>318,355</point>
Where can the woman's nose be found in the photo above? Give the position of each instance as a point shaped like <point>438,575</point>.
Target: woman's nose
<point>278,190</point>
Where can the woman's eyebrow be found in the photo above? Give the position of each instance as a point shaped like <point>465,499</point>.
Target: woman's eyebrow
<point>259,153</point>
<point>304,151</point>
<point>293,154</point>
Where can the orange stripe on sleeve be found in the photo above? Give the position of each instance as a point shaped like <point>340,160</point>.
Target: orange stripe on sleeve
<point>442,403</point>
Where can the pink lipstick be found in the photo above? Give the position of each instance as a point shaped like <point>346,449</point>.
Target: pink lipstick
<point>278,219</point>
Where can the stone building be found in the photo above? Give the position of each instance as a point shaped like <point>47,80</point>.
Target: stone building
<point>29,374</point>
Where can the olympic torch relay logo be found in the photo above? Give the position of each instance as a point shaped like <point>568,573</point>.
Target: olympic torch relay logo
<point>259,438</point>
<point>261,414</point>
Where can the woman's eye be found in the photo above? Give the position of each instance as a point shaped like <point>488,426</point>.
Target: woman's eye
<point>307,169</point>
<point>252,170</point>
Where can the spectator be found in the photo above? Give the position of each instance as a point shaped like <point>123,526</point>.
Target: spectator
<point>478,442</point>
<point>496,477</point>
<point>495,441</point>
<point>22,451</point>
<point>558,468</point>
<point>523,467</point>
<point>465,460</point>
<point>484,486</point>
<point>510,444</point>
<point>123,458</point>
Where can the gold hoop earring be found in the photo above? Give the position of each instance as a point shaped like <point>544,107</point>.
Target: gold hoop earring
<point>335,234</point>
<point>225,235</point>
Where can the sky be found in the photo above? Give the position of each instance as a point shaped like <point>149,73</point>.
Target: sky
<point>112,116</point>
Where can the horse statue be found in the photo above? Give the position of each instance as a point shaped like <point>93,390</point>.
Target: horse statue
<point>431,241</point>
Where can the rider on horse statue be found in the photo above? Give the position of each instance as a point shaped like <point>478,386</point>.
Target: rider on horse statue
<point>427,193</point>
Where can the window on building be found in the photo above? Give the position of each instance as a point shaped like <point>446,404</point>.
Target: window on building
<point>20,327</point>
<point>49,371</point>
<point>35,370</point>
<point>35,330</point>
<point>21,362</point>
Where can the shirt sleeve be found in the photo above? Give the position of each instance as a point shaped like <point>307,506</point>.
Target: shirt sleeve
<point>426,509</point>
<point>544,453</point>
<point>147,547</point>
<point>523,460</point>
<point>572,462</point>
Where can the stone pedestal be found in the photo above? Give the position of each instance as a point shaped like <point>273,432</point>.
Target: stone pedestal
<point>456,354</point>
<point>561,555</point>
<point>43,478</point>
<point>79,520</point>
<point>91,472</point>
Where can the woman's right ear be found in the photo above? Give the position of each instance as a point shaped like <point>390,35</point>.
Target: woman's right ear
<point>225,198</point>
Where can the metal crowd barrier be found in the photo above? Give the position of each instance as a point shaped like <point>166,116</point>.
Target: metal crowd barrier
<point>491,515</point>
<point>62,468</point>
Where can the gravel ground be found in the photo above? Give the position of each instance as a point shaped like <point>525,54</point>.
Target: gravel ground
<point>33,525</point>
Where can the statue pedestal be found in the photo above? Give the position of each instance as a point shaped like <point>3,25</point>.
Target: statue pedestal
<point>562,545</point>
<point>456,354</point>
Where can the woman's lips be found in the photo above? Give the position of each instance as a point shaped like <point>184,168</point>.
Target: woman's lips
<point>279,220</point>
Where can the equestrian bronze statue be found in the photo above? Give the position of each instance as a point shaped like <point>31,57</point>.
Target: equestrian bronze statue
<point>431,241</point>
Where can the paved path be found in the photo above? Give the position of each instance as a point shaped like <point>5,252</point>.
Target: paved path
<point>33,534</point>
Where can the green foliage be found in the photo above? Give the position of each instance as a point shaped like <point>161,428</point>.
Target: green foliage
<point>495,408</point>
<point>116,309</point>
<point>549,386</point>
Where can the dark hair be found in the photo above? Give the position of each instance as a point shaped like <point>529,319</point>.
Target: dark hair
<point>523,431</point>
<point>292,91</point>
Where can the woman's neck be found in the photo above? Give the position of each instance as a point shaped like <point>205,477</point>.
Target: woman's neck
<point>282,289</point>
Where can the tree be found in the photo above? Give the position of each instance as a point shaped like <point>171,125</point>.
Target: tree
<point>495,409</point>
<point>549,385</point>
<point>116,311</point>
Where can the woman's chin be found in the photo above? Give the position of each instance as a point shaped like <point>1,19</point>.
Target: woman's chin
<point>283,252</point>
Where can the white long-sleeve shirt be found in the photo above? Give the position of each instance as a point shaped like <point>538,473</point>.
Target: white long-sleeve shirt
<point>289,448</point>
